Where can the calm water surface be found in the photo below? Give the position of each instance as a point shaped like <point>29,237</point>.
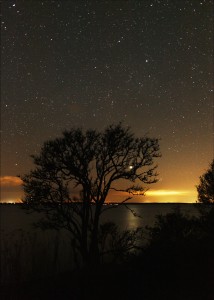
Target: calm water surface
<point>27,252</point>
<point>126,217</point>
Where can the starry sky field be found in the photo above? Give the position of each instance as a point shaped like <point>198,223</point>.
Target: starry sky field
<point>146,63</point>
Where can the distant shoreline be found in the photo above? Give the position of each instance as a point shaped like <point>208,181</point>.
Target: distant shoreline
<point>129,203</point>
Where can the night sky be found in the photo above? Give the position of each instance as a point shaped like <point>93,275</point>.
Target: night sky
<point>94,63</point>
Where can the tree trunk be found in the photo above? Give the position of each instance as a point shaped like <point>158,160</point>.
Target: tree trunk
<point>94,252</point>
<point>85,227</point>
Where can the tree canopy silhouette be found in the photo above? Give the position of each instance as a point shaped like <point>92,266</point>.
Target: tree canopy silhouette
<point>206,186</point>
<point>74,174</point>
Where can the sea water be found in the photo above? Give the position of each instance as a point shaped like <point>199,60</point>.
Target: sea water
<point>28,252</point>
<point>128,216</point>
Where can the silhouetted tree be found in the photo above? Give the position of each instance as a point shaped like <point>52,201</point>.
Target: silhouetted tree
<point>88,164</point>
<point>172,229</point>
<point>206,186</point>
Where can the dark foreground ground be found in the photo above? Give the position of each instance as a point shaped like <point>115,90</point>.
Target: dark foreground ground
<point>165,274</point>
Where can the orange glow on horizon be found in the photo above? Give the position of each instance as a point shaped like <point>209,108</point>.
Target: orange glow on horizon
<point>172,196</point>
<point>159,196</point>
<point>10,181</point>
<point>11,201</point>
<point>151,196</point>
<point>168,192</point>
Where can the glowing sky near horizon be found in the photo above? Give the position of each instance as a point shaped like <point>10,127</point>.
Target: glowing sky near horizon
<point>93,63</point>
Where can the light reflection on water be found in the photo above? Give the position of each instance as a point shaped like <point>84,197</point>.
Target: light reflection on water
<point>126,217</point>
<point>136,215</point>
<point>51,251</point>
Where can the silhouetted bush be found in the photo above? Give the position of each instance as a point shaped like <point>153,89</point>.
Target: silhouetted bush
<point>178,261</point>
